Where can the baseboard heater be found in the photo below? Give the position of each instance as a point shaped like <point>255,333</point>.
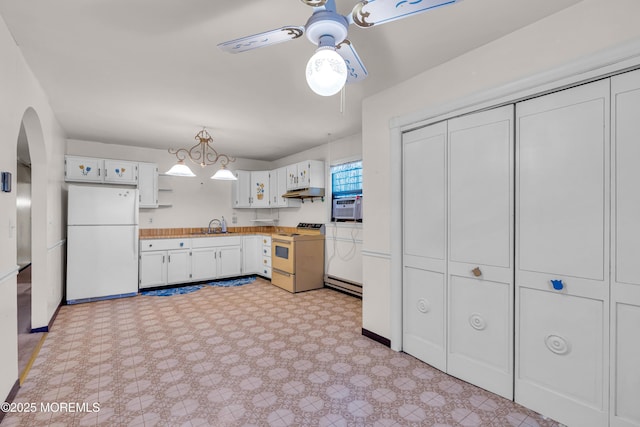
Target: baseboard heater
<point>343,285</point>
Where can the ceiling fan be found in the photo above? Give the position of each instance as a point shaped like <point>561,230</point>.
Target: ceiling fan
<point>335,61</point>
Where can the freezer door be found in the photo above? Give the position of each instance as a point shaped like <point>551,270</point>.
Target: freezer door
<point>101,261</point>
<point>93,205</point>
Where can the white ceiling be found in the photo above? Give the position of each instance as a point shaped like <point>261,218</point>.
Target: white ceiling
<point>148,72</point>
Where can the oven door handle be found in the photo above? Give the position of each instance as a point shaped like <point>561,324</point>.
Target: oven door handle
<point>284,273</point>
<point>286,242</point>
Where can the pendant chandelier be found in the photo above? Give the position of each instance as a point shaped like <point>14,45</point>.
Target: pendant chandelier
<point>202,154</point>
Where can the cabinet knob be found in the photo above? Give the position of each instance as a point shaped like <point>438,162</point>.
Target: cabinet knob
<point>557,284</point>
<point>477,272</point>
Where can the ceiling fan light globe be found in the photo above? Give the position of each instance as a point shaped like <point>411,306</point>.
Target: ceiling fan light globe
<point>326,72</point>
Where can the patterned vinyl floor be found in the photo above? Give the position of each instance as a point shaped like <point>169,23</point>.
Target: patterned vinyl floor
<point>252,355</point>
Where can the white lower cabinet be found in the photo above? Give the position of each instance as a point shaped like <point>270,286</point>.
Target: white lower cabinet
<point>204,263</point>
<point>265,267</point>
<point>171,261</point>
<point>164,262</point>
<point>217,256</point>
<point>252,254</point>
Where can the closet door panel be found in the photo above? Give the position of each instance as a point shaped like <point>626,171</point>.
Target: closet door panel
<point>562,254</point>
<point>424,316</point>
<point>562,355</point>
<point>480,263</point>
<point>424,244</point>
<point>480,168</point>
<point>424,192</point>
<point>480,345</point>
<point>563,168</point>
<point>625,251</point>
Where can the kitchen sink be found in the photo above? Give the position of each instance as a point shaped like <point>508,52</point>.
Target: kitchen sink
<point>204,233</point>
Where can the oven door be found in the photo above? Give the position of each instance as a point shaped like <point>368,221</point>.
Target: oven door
<point>282,255</point>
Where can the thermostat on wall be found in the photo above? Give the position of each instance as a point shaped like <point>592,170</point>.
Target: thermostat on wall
<point>6,182</point>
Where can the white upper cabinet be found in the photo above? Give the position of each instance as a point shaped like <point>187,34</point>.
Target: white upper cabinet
<point>251,189</point>
<point>307,174</point>
<point>260,189</point>
<point>148,185</point>
<point>120,172</point>
<point>241,189</point>
<point>91,169</point>
<point>83,169</point>
<point>278,187</point>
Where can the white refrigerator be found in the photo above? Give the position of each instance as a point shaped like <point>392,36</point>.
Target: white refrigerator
<point>102,243</point>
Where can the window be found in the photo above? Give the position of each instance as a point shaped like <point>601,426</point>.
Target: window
<point>346,179</point>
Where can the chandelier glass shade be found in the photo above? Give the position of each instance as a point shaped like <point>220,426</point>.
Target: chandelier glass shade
<point>202,154</point>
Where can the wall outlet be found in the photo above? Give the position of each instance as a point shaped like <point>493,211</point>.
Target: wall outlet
<point>234,219</point>
<point>150,220</point>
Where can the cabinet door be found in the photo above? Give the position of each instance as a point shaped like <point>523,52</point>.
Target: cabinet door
<point>625,251</point>
<point>204,264</point>
<point>292,177</point>
<point>148,185</point>
<point>424,244</point>
<point>273,188</point>
<point>252,254</point>
<point>303,172</point>
<point>153,269</point>
<point>241,190</point>
<point>480,266</point>
<point>83,169</point>
<point>229,261</point>
<point>284,202</point>
<point>562,217</point>
<point>178,266</point>
<point>260,189</point>
<point>120,172</point>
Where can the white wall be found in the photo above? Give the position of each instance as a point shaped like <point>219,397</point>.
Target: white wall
<point>579,31</point>
<point>195,201</point>
<point>23,100</point>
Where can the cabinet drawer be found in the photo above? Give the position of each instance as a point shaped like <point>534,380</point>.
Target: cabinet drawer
<point>266,242</point>
<point>266,251</point>
<point>164,244</point>
<point>283,280</point>
<point>266,261</point>
<point>265,272</point>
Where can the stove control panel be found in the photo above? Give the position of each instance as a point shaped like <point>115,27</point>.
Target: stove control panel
<point>311,226</point>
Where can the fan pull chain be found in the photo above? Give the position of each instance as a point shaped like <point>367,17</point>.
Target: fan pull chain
<point>343,96</point>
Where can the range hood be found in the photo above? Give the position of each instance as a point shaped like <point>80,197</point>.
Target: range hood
<point>305,193</point>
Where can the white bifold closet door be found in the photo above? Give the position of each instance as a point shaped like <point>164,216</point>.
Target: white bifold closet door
<point>480,261</point>
<point>625,251</point>
<point>562,254</point>
<point>458,247</point>
<point>424,244</point>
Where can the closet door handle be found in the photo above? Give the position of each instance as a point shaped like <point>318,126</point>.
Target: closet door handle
<point>557,284</point>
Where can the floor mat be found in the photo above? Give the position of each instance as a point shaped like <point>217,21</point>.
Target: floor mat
<point>192,288</point>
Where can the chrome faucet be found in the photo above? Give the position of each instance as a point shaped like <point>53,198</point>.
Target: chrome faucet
<point>213,230</point>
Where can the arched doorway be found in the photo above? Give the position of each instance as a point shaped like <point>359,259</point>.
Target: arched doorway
<point>31,154</point>
<point>26,341</point>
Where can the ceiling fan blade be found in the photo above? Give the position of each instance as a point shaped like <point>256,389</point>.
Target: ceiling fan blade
<point>355,67</point>
<point>375,12</point>
<point>314,3</point>
<point>263,39</point>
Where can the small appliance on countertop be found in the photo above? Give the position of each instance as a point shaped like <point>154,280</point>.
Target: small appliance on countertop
<point>297,259</point>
